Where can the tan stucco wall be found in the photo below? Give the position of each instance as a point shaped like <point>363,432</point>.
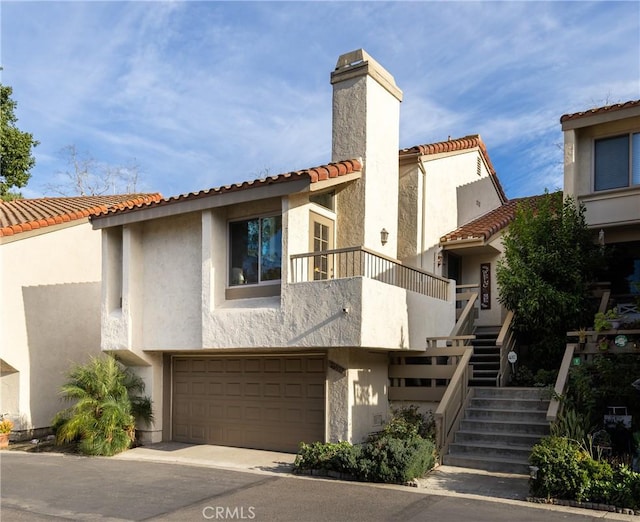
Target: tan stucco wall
<point>50,318</point>
<point>603,208</point>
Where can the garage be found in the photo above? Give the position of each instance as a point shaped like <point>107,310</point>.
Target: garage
<point>263,402</point>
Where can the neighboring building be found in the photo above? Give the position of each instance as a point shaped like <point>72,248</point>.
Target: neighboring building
<point>602,171</point>
<point>50,264</point>
<point>263,314</point>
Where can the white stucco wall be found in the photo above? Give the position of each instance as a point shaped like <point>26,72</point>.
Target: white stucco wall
<point>448,204</point>
<point>50,317</point>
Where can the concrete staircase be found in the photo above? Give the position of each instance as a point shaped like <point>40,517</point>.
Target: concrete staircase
<point>499,428</point>
<point>486,356</point>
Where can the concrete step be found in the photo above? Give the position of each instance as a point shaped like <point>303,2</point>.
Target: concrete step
<point>490,451</point>
<point>482,382</point>
<point>504,403</point>
<point>506,415</point>
<point>513,392</point>
<point>498,465</point>
<point>496,426</point>
<point>505,438</point>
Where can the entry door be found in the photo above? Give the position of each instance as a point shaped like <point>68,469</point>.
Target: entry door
<point>322,231</point>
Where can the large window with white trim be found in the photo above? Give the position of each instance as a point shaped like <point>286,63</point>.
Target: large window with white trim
<point>617,161</point>
<point>255,251</point>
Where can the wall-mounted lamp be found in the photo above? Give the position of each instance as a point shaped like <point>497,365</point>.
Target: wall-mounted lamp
<point>384,236</point>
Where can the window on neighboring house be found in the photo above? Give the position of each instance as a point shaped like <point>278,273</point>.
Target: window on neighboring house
<point>256,251</point>
<point>617,161</point>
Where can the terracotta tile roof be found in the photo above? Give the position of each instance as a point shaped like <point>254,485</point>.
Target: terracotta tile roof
<point>23,215</point>
<point>600,110</point>
<point>484,227</point>
<point>315,174</point>
<point>458,144</point>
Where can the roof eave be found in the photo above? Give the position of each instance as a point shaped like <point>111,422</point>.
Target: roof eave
<point>201,202</point>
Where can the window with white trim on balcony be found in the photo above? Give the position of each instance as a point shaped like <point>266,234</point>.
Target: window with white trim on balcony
<point>617,161</point>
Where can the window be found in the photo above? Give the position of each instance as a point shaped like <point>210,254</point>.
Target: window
<point>325,199</point>
<point>256,251</point>
<point>617,162</point>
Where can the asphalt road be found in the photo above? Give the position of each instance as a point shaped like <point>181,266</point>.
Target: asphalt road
<point>54,487</point>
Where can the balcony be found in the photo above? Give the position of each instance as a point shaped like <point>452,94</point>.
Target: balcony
<point>362,262</point>
<point>357,297</point>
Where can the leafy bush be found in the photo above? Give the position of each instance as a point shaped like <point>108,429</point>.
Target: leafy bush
<point>397,454</point>
<point>567,471</point>
<point>560,474</point>
<point>406,423</point>
<point>106,407</point>
<point>522,376</point>
<point>625,488</point>
<point>330,456</point>
<point>396,461</point>
<point>545,377</point>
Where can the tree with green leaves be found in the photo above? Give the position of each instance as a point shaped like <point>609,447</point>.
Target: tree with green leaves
<point>107,404</point>
<point>550,259</point>
<point>16,159</point>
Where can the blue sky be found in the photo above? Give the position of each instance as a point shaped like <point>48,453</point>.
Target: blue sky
<point>203,94</point>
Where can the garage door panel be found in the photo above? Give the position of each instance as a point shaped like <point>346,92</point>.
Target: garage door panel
<point>272,389</point>
<point>253,389</point>
<point>315,365</point>
<point>272,365</point>
<point>293,390</point>
<point>233,389</point>
<point>258,402</point>
<point>315,391</point>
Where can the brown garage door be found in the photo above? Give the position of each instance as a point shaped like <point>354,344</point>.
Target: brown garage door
<point>268,402</point>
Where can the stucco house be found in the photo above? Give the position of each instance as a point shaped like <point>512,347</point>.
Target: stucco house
<point>602,171</point>
<point>263,313</point>
<point>50,266</point>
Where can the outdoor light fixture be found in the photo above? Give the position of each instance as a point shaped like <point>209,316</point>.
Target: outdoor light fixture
<point>384,236</point>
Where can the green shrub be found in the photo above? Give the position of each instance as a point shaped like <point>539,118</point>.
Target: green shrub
<point>545,377</point>
<point>625,488</point>
<point>522,377</point>
<point>394,460</point>
<point>403,450</point>
<point>599,480</point>
<point>329,456</point>
<point>406,423</point>
<point>560,473</point>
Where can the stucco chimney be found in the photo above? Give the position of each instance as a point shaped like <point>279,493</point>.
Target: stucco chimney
<point>366,124</point>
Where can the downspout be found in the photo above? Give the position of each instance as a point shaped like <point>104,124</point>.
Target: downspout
<point>423,211</point>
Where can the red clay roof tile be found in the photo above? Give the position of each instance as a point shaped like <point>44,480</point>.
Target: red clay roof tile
<point>485,226</point>
<point>315,175</point>
<point>599,110</point>
<point>23,215</point>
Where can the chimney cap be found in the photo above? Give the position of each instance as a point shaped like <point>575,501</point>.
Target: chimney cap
<point>359,63</point>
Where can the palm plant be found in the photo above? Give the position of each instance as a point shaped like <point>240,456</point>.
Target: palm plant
<point>107,405</point>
